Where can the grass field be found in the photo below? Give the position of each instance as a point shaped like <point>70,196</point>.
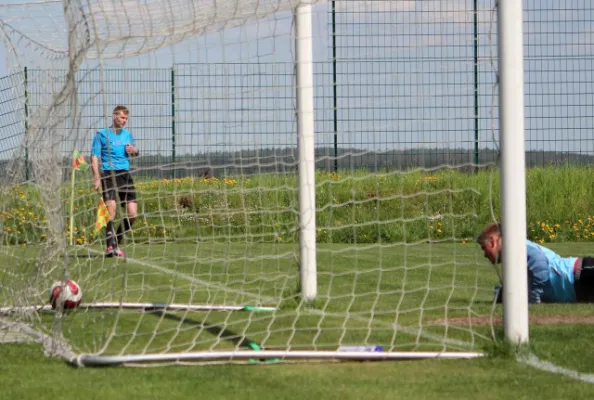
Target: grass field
<point>26,374</point>
<point>358,207</point>
<point>364,292</point>
<point>397,267</point>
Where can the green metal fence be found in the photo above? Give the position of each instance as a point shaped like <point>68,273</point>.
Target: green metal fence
<point>396,89</point>
<point>439,61</point>
<point>13,120</point>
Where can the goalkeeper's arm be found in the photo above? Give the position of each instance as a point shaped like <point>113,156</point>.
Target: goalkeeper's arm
<point>538,275</point>
<point>498,294</point>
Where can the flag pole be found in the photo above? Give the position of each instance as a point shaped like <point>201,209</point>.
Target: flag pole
<point>72,184</point>
<point>78,162</point>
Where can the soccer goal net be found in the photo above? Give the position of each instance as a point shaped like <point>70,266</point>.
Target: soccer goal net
<point>308,185</point>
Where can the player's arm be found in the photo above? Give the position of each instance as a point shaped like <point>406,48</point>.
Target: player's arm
<point>498,294</point>
<point>131,148</point>
<point>538,274</point>
<point>95,154</point>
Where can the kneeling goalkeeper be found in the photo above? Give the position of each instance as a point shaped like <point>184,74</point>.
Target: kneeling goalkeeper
<point>551,278</point>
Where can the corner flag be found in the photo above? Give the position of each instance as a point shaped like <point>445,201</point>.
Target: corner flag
<point>78,162</point>
<point>102,216</point>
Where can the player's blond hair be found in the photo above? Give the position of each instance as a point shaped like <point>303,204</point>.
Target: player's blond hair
<point>119,109</point>
<point>492,229</point>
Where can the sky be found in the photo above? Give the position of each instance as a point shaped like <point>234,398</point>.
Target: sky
<point>404,73</point>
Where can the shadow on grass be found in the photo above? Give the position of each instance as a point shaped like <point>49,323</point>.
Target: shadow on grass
<point>222,333</point>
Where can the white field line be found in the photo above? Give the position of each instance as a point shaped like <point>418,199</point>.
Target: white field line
<point>263,300</point>
<point>537,363</point>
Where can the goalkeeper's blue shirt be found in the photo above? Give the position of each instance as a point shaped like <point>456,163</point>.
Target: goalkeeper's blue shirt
<point>550,276</point>
<point>110,148</point>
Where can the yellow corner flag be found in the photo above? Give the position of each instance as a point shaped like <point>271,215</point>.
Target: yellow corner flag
<point>102,216</point>
<point>78,162</point>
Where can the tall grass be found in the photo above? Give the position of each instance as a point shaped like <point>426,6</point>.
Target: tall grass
<point>358,207</point>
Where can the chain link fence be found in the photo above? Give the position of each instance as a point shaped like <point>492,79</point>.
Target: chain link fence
<point>401,90</point>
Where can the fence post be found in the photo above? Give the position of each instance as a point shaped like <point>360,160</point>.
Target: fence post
<point>334,92</point>
<point>476,88</point>
<point>173,119</point>
<point>26,125</point>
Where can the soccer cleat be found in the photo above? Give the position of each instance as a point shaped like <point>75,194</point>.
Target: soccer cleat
<point>118,252</point>
<point>109,251</point>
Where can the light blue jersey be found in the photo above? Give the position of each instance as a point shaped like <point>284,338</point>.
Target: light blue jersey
<point>111,149</point>
<point>550,276</point>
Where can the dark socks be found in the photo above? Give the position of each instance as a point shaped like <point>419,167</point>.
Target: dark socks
<point>123,228</point>
<point>110,236</point>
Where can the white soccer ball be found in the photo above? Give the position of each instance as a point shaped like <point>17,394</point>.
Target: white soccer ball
<point>67,294</point>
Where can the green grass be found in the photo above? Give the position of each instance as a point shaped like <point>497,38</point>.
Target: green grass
<point>376,287</point>
<point>355,208</point>
<point>233,243</point>
<point>369,285</point>
<point>26,374</point>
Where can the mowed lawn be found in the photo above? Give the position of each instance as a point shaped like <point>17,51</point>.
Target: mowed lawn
<point>416,297</point>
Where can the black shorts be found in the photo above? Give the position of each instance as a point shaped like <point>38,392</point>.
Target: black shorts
<point>119,182</point>
<point>584,280</point>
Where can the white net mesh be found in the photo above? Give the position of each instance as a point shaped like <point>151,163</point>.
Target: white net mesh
<point>212,262</point>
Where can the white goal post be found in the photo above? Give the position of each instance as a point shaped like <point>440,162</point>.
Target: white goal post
<point>259,238</point>
<point>513,179</point>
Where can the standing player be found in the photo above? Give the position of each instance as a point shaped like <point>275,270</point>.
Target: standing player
<point>114,146</point>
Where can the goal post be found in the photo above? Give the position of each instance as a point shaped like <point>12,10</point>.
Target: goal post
<point>306,145</point>
<point>300,196</point>
<point>513,178</point>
